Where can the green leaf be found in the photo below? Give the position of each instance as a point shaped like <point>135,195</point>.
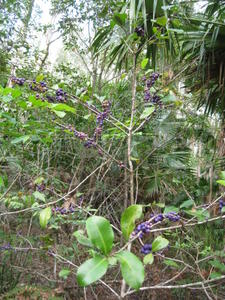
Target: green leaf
<point>188,203</point>
<point>64,273</point>
<point>39,196</point>
<point>223,210</point>
<point>83,240</point>
<point>129,216</point>
<point>169,98</point>
<point>112,260</point>
<point>21,139</point>
<point>45,216</point>
<point>161,21</point>
<point>132,269</point>
<point>170,263</point>
<point>39,180</point>
<point>16,93</point>
<point>39,77</point>
<point>200,214</point>
<point>217,264</point>
<point>161,205</point>
<point>144,63</point>
<point>222,175</point>
<point>1,181</point>
<point>119,19</point>
<point>170,208</point>
<point>147,112</point>
<point>92,270</point>
<point>159,243</point>
<point>100,233</point>
<point>222,182</point>
<point>149,259</point>
<point>37,102</point>
<point>215,275</point>
<point>60,114</point>
<point>61,107</point>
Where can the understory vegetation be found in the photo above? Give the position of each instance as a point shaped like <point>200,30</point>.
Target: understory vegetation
<point>112,144</point>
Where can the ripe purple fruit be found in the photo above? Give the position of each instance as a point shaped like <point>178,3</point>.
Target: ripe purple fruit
<point>146,249</point>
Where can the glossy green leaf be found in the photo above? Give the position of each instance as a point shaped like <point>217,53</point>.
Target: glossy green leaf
<point>60,114</point>
<point>223,210</point>
<point>100,233</point>
<point>129,216</point>
<point>82,239</point>
<point>222,182</point>
<point>147,112</point>
<point>132,269</point>
<point>159,243</point>
<point>144,63</point>
<point>148,259</point>
<point>92,270</point>
<point>62,107</point>
<point>45,216</point>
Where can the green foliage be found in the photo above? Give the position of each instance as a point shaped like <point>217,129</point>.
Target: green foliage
<point>45,216</point>
<point>159,243</point>
<point>100,233</point>
<point>132,269</point>
<point>128,218</point>
<point>92,270</point>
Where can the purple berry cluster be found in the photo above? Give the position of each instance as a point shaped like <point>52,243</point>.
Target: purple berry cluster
<point>40,87</point>
<point>19,81</point>
<point>146,249</point>
<point>40,187</point>
<point>63,210</point>
<point>221,204</point>
<point>142,229</point>
<point>61,96</point>
<point>6,247</point>
<point>145,227</point>
<point>148,97</point>
<point>106,105</point>
<point>140,31</point>
<point>172,216</point>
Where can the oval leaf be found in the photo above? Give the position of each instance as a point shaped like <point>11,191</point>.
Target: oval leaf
<point>144,63</point>
<point>149,259</point>
<point>45,216</point>
<point>147,112</point>
<point>83,240</point>
<point>132,269</point>
<point>159,243</point>
<point>187,203</point>
<point>64,273</point>
<point>129,216</point>
<point>91,270</point>
<point>100,233</point>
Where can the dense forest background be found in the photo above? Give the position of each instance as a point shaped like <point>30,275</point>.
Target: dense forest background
<point>112,144</point>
